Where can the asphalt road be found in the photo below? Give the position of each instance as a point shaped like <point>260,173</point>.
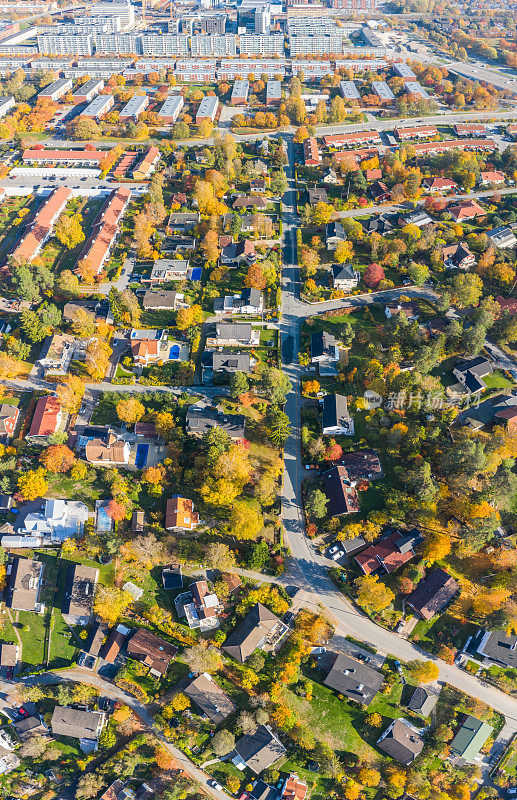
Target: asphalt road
<point>307,569</point>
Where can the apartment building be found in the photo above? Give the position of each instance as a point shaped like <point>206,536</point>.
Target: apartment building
<point>361,64</point>
<point>6,103</point>
<point>170,110</point>
<point>262,45</point>
<point>56,90</point>
<point>416,132</point>
<point>105,229</point>
<point>231,69</point>
<point>349,90</point>
<point>318,44</point>
<point>207,109</point>
<point>80,44</point>
<point>352,139</point>
<point>240,93</point>
<point>191,71</point>
<point>41,226</point>
<point>273,93</point>
<point>99,106</point>
<point>146,65</point>
<point>312,69</point>
<point>311,153</point>
<point>414,87</point>
<point>165,44</point>
<point>404,72</point>
<point>214,45</point>
<point>356,5</point>
<point>383,91</point>
<point>119,43</point>
<point>88,90</point>
<point>57,65</point>
<point>469,129</point>
<point>134,107</point>
<point>125,11</point>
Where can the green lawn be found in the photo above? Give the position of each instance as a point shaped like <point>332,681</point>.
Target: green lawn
<point>497,381</point>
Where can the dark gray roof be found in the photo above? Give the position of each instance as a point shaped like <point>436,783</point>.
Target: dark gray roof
<point>22,586</point>
<point>260,749</point>
<point>231,362</point>
<point>79,590</point>
<point>250,297</point>
<point>355,680</point>
<point>28,726</point>
<point>335,229</point>
<point>249,634</point>
<point>233,330</point>
<point>433,593</point>
<point>477,366</point>
<point>210,698</point>
<point>74,723</point>
<point>353,545</point>
<point>343,272</point>
<point>200,421</point>
<point>422,701</point>
<point>335,411</point>
<point>362,464</point>
<point>401,742</point>
<point>96,638</point>
<point>261,791</point>
<point>172,577</point>
<point>323,343</point>
<point>500,647</point>
<point>160,299</point>
<point>341,496</point>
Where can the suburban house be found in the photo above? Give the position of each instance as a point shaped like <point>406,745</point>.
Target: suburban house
<point>496,647</point>
<point>502,237</point>
<point>80,585</point>
<point>381,224</point>
<point>22,584</point>
<point>166,270</point>
<point>362,465</point>
<point>59,350</point>
<point>401,741</point>
<point>151,650</point>
<point>55,520</point>
<point>9,655</point>
<point>336,420</point>
<point>258,626</point>
<point>210,698</point>
<point>201,419</point>
<point>390,553</point>
<point>95,640</point>
<point>258,750</point>
<point>432,594</point>
<point>76,724</point>
<point>163,300</point>
<point>458,256</point>
<point>491,178</point>
<point>137,521</point>
<point>350,677</point>
<point>334,234</point>
<point>317,196</point>
<point>27,727</point>
<point>182,221</point>
<point>418,218</point>
<point>410,308</point>
<point>345,277</point>
<point>294,788</point>
<point>249,301</point>
<point>107,451</point>
<point>234,334</point>
<point>180,514</point>
<point>324,348</point>
<point>439,184</point>
<point>422,701</point>
<point>469,740</point>
<point>46,421</point>
<point>379,192</point>
<point>113,644</point>
<point>227,362</point>
<point>200,606</point>
<point>465,209</point>
<point>471,373</point>
<point>508,305</point>
<point>342,497</point>
<point>9,416</point>
<point>244,201</point>
<point>237,252</point>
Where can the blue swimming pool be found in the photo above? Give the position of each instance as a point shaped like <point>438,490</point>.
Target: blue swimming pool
<point>104,522</point>
<point>141,455</point>
<point>196,274</point>
<point>174,352</point>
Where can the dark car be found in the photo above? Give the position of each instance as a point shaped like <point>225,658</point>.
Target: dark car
<point>22,712</point>
<point>363,657</point>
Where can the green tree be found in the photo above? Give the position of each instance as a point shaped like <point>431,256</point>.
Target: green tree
<point>238,384</point>
<point>278,426</point>
<point>275,385</point>
<point>418,273</point>
<point>223,742</point>
<point>316,504</point>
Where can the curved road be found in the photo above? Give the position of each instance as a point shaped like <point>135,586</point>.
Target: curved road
<point>308,570</point>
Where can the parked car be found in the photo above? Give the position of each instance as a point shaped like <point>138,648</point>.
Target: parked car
<point>398,667</point>
<point>335,552</point>
<point>213,783</point>
<point>364,658</point>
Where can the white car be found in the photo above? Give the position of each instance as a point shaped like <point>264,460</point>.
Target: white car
<point>213,783</point>
<point>335,552</point>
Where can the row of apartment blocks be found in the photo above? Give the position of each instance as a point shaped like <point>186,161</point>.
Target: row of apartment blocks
<point>167,44</point>
<point>187,70</point>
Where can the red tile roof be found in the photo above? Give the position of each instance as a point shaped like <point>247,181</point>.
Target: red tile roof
<point>45,419</point>
<point>63,155</point>
<point>105,228</point>
<point>383,553</point>
<point>42,224</point>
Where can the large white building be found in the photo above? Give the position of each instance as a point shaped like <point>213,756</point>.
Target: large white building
<point>124,10</point>
<point>56,44</point>
<point>195,71</point>
<point>100,106</point>
<point>6,103</point>
<point>134,107</point>
<point>258,45</point>
<point>317,44</point>
<point>165,44</point>
<point>243,67</point>
<point>119,43</point>
<point>213,45</point>
<point>170,110</point>
<point>56,90</point>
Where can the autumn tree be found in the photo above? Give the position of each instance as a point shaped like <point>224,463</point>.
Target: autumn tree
<point>57,458</point>
<point>110,603</point>
<point>86,271</point>
<point>373,275</point>
<point>33,484</point>
<point>255,277</point>
<point>68,231</point>
<point>97,359</point>
<point>245,521</point>
<point>223,742</point>
<point>130,410</point>
<point>372,594</point>
<point>322,213</point>
<point>203,658</point>
<point>10,367</point>
<point>70,393</point>
<point>116,510</point>
<point>422,671</point>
